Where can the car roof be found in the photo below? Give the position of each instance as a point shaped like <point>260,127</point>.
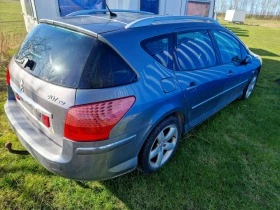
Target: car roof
<point>98,22</point>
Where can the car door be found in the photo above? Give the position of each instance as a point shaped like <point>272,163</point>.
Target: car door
<point>198,75</point>
<point>230,53</point>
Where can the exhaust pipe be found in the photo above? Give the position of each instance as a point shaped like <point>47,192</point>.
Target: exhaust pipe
<point>8,147</point>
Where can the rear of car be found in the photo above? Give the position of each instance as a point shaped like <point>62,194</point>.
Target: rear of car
<point>60,107</point>
<point>96,100</point>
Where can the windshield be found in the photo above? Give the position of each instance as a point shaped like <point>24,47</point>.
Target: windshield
<point>55,54</point>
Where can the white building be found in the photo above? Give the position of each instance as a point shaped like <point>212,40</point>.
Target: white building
<point>34,10</point>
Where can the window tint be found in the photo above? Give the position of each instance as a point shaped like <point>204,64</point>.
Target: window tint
<point>105,68</point>
<point>160,48</point>
<point>244,51</point>
<point>57,55</point>
<point>229,47</point>
<point>194,50</point>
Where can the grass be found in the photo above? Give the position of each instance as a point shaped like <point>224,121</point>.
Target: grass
<point>11,18</point>
<point>231,161</point>
<point>12,29</point>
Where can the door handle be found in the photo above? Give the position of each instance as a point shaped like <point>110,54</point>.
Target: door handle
<point>192,86</point>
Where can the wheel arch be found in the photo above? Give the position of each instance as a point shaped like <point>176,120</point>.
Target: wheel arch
<point>157,118</point>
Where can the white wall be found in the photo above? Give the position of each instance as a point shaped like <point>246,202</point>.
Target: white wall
<point>124,4</point>
<point>41,9</point>
<point>166,7</point>
<point>29,21</point>
<point>235,16</point>
<point>171,7</point>
<point>49,8</point>
<point>46,9</point>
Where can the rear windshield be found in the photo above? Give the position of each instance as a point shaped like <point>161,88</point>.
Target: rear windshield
<point>58,55</point>
<point>71,59</point>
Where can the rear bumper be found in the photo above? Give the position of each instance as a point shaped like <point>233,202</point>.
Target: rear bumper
<point>76,160</point>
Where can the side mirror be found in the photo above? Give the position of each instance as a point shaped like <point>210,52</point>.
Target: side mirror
<point>247,60</point>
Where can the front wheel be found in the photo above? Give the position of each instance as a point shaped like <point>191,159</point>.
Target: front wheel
<point>250,87</point>
<point>160,145</point>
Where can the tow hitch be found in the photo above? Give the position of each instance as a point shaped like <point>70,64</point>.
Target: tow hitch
<point>8,147</point>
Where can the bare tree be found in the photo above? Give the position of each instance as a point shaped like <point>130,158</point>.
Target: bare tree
<point>221,6</point>
<point>265,8</point>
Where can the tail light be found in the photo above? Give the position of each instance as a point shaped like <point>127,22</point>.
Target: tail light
<point>45,120</point>
<point>8,78</point>
<point>94,122</point>
<point>17,97</point>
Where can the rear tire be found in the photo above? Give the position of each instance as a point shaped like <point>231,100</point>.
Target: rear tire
<point>160,145</point>
<point>250,87</point>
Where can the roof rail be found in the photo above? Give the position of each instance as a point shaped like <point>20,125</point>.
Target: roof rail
<point>68,26</point>
<point>96,11</point>
<point>165,19</point>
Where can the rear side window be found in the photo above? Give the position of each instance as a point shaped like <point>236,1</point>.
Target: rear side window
<point>160,48</point>
<point>105,68</point>
<point>194,50</point>
<point>229,47</point>
<point>58,55</point>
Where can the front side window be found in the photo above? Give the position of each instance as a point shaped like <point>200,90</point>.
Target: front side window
<point>244,51</point>
<point>228,46</point>
<point>194,50</point>
<point>160,48</point>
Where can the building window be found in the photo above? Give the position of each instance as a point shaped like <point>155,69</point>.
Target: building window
<point>198,8</point>
<point>149,6</point>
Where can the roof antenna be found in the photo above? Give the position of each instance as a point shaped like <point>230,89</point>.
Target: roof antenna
<point>112,14</point>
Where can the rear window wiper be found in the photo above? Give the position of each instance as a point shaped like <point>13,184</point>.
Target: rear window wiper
<point>26,62</point>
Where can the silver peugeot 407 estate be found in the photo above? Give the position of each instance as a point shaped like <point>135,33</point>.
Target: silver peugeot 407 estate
<point>92,96</point>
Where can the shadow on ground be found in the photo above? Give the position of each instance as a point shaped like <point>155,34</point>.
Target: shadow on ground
<point>273,67</point>
<point>238,31</point>
<point>263,52</point>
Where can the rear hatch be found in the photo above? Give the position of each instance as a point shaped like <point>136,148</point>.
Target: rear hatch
<point>45,74</point>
